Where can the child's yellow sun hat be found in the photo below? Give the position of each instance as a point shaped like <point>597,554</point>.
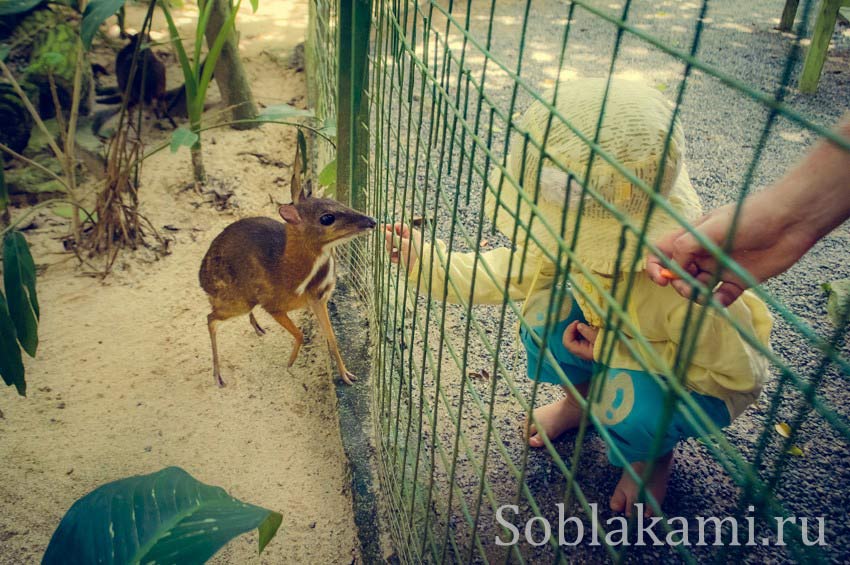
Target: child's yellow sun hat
<point>633,131</point>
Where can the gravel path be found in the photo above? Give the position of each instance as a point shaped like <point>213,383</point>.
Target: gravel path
<point>721,127</point>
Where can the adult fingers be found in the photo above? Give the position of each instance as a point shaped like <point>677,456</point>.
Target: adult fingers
<point>653,269</point>
<point>727,293</point>
<point>653,262</point>
<point>686,249</point>
<point>686,290</point>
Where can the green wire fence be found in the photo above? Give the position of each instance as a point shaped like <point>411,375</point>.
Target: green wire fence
<point>428,98</point>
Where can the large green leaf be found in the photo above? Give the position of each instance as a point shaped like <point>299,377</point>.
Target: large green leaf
<point>96,13</point>
<point>11,364</point>
<point>9,7</point>
<point>19,281</point>
<point>164,517</point>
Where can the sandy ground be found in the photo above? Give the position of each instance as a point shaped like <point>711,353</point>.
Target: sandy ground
<point>123,384</point>
<point>721,128</point>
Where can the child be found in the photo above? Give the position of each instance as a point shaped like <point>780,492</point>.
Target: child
<point>725,374</point>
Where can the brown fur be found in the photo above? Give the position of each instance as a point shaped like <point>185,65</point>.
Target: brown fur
<point>260,261</point>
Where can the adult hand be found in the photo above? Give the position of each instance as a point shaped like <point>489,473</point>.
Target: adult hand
<point>579,338</point>
<point>775,228</point>
<point>769,239</point>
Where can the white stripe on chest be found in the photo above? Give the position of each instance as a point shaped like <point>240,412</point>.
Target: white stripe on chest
<point>326,287</point>
<point>323,258</point>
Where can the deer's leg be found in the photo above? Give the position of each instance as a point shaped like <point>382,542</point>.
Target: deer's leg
<point>290,326</point>
<point>212,322</point>
<point>257,327</point>
<point>320,309</point>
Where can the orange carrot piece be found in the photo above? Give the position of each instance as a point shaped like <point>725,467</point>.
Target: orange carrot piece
<point>669,275</point>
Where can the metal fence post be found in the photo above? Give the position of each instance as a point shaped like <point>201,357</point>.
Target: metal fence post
<point>353,114</point>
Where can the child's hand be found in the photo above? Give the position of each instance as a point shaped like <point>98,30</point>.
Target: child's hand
<point>579,339</point>
<point>399,245</point>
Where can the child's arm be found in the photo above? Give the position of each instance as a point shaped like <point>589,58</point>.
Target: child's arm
<point>493,279</point>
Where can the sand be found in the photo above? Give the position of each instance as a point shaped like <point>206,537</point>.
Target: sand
<point>122,383</point>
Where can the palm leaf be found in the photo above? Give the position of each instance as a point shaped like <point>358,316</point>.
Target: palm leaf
<point>165,517</point>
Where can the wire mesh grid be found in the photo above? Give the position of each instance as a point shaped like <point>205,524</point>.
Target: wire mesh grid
<point>447,87</point>
<point>321,57</point>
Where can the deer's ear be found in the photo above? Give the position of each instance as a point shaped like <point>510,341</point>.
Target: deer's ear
<point>290,214</point>
<point>295,187</point>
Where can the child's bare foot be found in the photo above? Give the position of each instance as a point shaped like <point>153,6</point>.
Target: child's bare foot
<point>556,418</point>
<point>626,492</point>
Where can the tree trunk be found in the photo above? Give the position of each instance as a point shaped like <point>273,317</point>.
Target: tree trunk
<point>229,73</point>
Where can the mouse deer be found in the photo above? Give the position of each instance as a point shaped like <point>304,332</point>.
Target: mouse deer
<point>281,267</point>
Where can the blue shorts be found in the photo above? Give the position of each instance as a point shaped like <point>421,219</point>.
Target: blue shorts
<point>632,401</point>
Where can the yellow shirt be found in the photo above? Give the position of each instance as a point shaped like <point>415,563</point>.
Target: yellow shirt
<point>723,364</point>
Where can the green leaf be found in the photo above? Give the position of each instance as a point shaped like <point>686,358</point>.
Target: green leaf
<point>201,27</point>
<point>189,79</point>
<point>282,112</point>
<point>11,364</point>
<point>53,60</point>
<point>329,128</point>
<point>96,13</point>
<point>838,300</point>
<point>328,175</point>
<point>183,137</point>
<point>212,57</point>
<point>66,211</point>
<point>4,52</point>
<point>19,281</point>
<point>9,7</point>
<point>164,517</point>
<point>255,4</point>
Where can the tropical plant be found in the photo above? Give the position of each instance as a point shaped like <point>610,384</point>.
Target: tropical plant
<point>197,74</point>
<point>12,7</point>
<point>5,217</point>
<point>19,315</point>
<point>165,517</point>
<point>66,155</point>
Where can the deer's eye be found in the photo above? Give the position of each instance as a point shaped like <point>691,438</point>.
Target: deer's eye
<point>327,219</point>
